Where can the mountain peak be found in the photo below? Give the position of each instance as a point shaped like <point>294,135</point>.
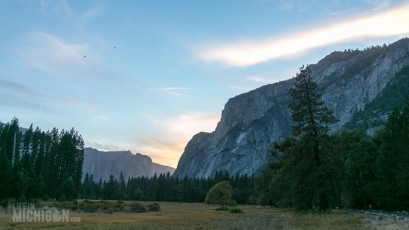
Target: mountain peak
<point>102,164</point>
<point>253,121</point>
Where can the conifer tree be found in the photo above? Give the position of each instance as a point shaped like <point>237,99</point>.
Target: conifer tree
<point>311,124</point>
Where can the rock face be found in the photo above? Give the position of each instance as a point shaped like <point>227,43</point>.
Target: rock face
<point>103,164</point>
<point>252,121</point>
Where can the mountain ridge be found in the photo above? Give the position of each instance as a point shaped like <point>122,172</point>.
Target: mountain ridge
<point>102,164</point>
<point>251,122</point>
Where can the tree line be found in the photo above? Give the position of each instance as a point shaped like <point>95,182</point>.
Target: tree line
<point>316,169</point>
<point>313,169</point>
<point>39,165</point>
<point>165,188</point>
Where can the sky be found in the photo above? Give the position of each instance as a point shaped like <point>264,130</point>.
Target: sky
<point>146,75</point>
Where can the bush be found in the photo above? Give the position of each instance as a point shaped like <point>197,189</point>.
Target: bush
<point>224,208</point>
<point>137,207</point>
<point>119,206</point>
<point>89,206</point>
<point>221,194</point>
<point>154,207</point>
<point>236,210</point>
<point>108,210</point>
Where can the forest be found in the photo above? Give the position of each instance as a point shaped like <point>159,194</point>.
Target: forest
<point>39,165</point>
<point>165,188</point>
<point>314,169</point>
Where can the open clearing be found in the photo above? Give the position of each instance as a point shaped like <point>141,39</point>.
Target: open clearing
<point>201,216</point>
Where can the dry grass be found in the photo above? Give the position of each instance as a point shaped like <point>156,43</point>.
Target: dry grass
<point>200,216</point>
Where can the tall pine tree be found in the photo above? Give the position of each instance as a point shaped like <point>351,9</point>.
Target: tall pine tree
<point>311,124</point>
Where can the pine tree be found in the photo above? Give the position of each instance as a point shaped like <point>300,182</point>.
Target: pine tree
<point>359,151</point>
<point>391,188</point>
<point>311,124</point>
<point>121,187</point>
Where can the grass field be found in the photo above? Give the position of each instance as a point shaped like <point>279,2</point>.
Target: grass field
<point>201,216</point>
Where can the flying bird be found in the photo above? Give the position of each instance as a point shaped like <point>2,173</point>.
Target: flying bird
<point>85,56</point>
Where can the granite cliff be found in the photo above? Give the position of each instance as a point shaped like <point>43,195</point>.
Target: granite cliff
<point>103,164</point>
<point>252,121</point>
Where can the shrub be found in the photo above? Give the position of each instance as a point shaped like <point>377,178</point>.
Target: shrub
<point>236,210</point>
<point>108,210</point>
<point>137,207</point>
<point>153,207</point>
<point>221,194</point>
<point>89,206</point>
<point>223,208</point>
<point>119,206</point>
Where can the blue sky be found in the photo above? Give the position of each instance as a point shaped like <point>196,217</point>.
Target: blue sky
<point>146,75</point>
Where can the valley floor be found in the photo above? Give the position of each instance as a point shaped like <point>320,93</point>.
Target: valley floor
<point>201,216</point>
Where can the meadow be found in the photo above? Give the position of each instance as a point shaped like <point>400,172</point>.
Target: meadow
<point>201,216</point>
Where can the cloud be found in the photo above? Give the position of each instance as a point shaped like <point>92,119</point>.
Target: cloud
<point>63,6</point>
<point>103,146</point>
<point>51,54</point>
<point>240,88</point>
<point>168,144</point>
<point>92,13</point>
<point>166,139</point>
<point>379,4</point>
<point>165,152</point>
<point>20,96</point>
<point>389,23</point>
<point>176,91</point>
<point>264,80</point>
<point>18,88</point>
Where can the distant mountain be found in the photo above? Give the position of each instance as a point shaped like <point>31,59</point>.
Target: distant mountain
<point>103,164</point>
<point>362,87</point>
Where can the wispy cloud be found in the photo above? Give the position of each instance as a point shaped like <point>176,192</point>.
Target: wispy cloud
<point>20,96</point>
<point>379,4</point>
<point>51,54</point>
<point>176,91</point>
<point>166,147</point>
<point>43,5</point>
<point>16,95</point>
<point>162,151</point>
<point>264,80</point>
<point>389,23</point>
<point>92,13</point>
<point>240,88</point>
<point>64,7</point>
<point>103,145</point>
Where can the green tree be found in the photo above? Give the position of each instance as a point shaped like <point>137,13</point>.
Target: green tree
<point>390,191</point>
<point>121,187</point>
<point>221,194</point>
<point>5,169</point>
<point>307,168</point>
<point>359,152</point>
<point>68,189</point>
<point>110,189</point>
<point>86,187</point>
<point>311,123</point>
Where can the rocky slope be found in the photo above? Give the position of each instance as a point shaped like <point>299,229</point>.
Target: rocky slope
<point>251,122</point>
<point>103,164</point>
